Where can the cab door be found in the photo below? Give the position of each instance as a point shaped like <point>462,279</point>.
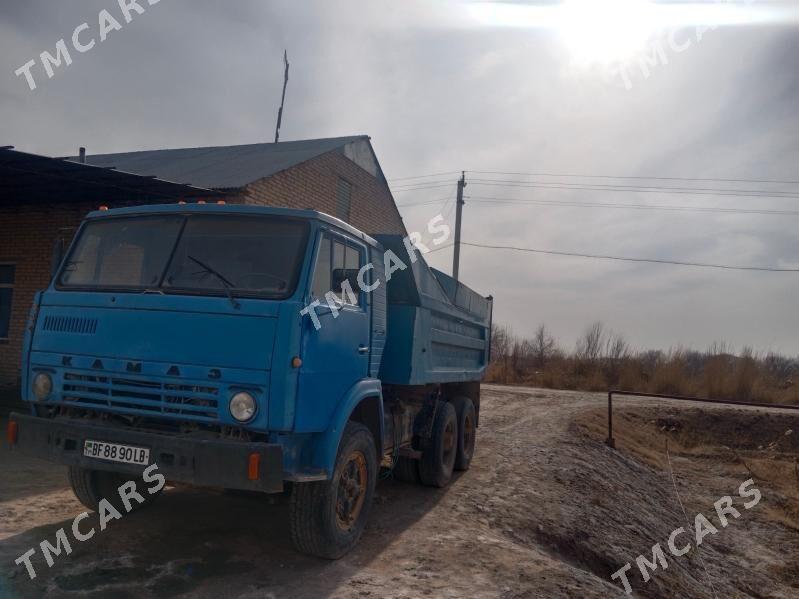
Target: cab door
<point>336,355</point>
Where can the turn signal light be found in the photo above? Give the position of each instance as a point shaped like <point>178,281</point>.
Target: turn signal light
<point>221,202</point>
<point>12,431</point>
<point>103,208</point>
<point>296,362</point>
<point>254,466</point>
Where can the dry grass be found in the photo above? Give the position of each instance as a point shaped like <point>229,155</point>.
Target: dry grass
<point>730,444</point>
<point>602,360</point>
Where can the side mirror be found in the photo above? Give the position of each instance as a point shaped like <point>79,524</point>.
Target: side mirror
<point>58,255</point>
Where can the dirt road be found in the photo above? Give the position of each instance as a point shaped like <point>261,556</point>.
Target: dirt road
<point>547,510</point>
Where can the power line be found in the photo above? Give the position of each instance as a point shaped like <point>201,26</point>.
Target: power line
<point>628,259</point>
<point>421,183</point>
<point>619,258</point>
<point>631,189</point>
<point>449,210</point>
<point>716,180</point>
<point>431,186</point>
<point>424,176</point>
<point>487,200</point>
<point>415,180</point>
<point>601,187</point>
<point>615,186</point>
<point>443,247</point>
<point>566,185</point>
<point>447,200</point>
<point>424,203</point>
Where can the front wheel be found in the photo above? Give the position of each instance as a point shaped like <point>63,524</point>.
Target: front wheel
<point>92,486</point>
<point>328,517</point>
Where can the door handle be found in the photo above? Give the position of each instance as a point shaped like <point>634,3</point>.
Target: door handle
<point>362,349</point>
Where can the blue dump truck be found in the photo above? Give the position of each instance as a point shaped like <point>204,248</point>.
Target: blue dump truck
<point>249,348</point>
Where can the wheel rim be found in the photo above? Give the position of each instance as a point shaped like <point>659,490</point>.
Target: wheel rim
<point>468,436</point>
<point>351,493</point>
<point>449,439</point>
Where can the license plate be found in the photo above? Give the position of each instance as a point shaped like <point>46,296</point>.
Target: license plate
<point>115,452</point>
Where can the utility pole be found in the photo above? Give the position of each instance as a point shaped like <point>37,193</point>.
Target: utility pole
<point>456,258</point>
<point>283,97</point>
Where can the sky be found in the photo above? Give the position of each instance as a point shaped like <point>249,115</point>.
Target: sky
<point>631,88</point>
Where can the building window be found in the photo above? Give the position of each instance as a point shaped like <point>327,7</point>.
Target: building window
<point>6,291</point>
<point>343,199</point>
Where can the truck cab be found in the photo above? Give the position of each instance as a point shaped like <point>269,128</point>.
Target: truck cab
<point>246,348</point>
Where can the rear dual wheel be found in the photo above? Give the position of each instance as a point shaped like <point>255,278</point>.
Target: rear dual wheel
<point>406,470</point>
<point>467,431</point>
<point>451,445</point>
<point>438,458</point>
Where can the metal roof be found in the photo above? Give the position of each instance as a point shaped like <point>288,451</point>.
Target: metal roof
<point>33,178</point>
<point>221,167</point>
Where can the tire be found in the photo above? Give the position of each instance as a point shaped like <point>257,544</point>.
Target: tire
<point>328,517</point>
<point>467,432</point>
<point>91,486</point>
<point>438,458</point>
<point>406,470</point>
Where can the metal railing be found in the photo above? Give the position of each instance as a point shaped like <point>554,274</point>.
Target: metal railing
<point>611,442</point>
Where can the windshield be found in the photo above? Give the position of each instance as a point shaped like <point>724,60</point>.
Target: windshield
<point>246,255</point>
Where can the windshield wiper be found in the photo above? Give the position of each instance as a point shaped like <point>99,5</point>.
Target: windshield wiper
<point>225,283</point>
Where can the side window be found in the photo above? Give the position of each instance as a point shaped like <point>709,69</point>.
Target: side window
<point>346,263</point>
<point>321,277</point>
<point>337,264</point>
<point>6,292</point>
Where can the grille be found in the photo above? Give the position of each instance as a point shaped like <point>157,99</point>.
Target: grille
<point>70,324</point>
<point>141,396</point>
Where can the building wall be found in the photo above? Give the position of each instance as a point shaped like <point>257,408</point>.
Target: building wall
<point>313,184</point>
<point>27,234</point>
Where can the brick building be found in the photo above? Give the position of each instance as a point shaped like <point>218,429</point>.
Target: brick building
<point>42,199</point>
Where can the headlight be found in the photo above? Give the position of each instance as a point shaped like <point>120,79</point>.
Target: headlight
<point>242,406</point>
<point>42,386</point>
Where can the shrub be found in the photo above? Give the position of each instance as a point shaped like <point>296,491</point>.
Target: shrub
<point>603,360</point>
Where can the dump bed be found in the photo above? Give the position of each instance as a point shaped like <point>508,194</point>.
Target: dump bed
<point>438,329</point>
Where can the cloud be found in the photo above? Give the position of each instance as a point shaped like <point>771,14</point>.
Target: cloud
<point>440,91</point>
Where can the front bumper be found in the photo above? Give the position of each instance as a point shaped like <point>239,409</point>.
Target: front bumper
<point>203,462</point>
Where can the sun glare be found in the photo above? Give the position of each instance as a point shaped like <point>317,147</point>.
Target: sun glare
<point>606,31</point>
<point>609,31</point>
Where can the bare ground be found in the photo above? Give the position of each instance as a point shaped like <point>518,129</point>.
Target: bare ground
<point>547,510</point>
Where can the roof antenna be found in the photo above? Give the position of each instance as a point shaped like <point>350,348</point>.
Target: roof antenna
<point>283,98</point>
